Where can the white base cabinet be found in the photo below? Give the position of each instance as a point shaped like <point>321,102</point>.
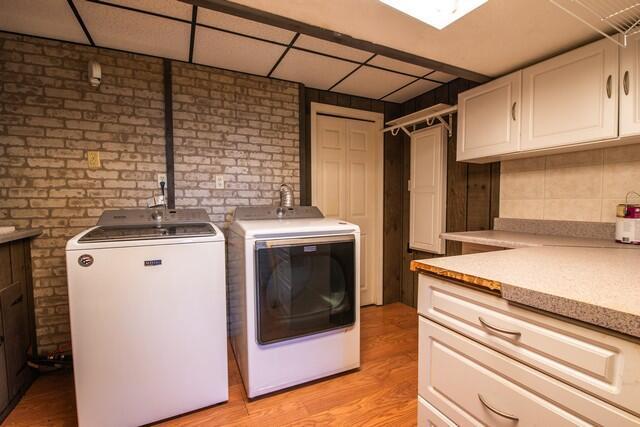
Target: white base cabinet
<point>484,362</point>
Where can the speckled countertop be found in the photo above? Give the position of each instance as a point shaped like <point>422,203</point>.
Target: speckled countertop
<point>19,234</point>
<point>600,286</point>
<point>514,239</point>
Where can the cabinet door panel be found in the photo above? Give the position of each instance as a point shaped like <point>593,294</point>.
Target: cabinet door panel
<point>489,119</point>
<point>5,265</point>
<point>629,87</point>
<point>571,98</point>
<point>16,333</point>
<point>427,215</point>
<point>4,388</point>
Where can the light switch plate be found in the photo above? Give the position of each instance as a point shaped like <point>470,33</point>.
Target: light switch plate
<point>93,159</point>
<point>219,182</point>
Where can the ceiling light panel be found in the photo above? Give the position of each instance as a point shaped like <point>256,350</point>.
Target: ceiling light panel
<point>402,67</point>
<point>175,9</point>
<point>232,52</point>
<point>244,26</point>
<point>46,18</point>
<point>135,32</point>
<point>329,48</point>
<point>439,13</point>
<point>316,71</point>
<point>372,82</point>
<point>414,89</point>
<point>441,77</point>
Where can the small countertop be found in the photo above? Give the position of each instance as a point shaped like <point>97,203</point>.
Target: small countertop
<point>600,286</point>
<point>20,234</point>
<point>515,239</point>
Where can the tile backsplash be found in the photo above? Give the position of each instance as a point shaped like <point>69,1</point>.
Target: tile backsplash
<point>581,186</point>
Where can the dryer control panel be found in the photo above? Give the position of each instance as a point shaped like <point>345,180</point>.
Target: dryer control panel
<point>276,212</point>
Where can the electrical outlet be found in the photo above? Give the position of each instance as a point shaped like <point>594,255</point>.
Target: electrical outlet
<point>162,177</point>
<point>93,159</point>
<point>219,182</point>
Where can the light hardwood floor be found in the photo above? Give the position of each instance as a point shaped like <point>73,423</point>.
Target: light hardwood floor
<point>381,393</point>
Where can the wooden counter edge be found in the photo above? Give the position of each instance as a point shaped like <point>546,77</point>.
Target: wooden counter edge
<point>417,266</point>
<point>29,233</point>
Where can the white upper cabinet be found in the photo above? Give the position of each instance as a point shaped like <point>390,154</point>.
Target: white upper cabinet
<point>427,188</point>
<point>630,87</point>
<point>571,98</point>
<point>489,118</point>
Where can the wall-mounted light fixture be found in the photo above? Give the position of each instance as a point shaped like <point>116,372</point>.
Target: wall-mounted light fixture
<point>94,73</point>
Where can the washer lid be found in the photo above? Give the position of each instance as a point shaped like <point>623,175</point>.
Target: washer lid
<point>146,232</point>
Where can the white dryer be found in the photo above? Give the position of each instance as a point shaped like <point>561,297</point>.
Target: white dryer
<point>294,308</point>
<point>148,316</point>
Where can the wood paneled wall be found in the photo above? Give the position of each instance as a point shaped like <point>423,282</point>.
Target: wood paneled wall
<point>393,246</point>
<point>472,190</point>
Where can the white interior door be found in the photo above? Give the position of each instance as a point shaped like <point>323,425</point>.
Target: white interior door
<point>346,173</point>
<point>427,188</point>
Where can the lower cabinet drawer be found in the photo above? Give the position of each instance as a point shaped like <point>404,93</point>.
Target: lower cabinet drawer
<point>472,385</point>
<point>430,416</point>
<point>604,365</point>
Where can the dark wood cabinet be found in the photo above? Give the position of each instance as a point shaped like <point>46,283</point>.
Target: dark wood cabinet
<point>16,335</point>
<point>17,323</point>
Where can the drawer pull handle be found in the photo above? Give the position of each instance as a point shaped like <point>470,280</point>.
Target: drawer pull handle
<point>17,301</point>
<point>497,329</point>
<point>497,411</point>
<point>625,82</point>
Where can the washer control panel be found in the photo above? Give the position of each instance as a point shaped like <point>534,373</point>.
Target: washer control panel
<point>129,217</point>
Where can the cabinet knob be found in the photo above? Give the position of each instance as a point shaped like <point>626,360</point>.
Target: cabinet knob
<point>625,82</point>
<point>609,86</point>
<point>513,111</point>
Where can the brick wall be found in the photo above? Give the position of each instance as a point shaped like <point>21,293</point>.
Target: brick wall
<point>241,126</point>
<point>236,125</point>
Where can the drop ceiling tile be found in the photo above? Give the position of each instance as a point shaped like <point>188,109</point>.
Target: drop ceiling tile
<point>441,77</point>
<point>224,50</point>
<point>244,26</point>
<point>175,9</point>
<point>135,32</point>
<point>414,89</point>
<point>372,83</point>
<point>45,18</point>
<point>315,71</point>
<point>329,48</point>
<point>395,65</point>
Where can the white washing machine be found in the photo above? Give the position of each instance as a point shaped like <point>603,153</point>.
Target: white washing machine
<point>148,316</point>
<point>294,300</point>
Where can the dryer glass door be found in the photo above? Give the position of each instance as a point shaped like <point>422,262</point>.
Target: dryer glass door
<point>304,286</point>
